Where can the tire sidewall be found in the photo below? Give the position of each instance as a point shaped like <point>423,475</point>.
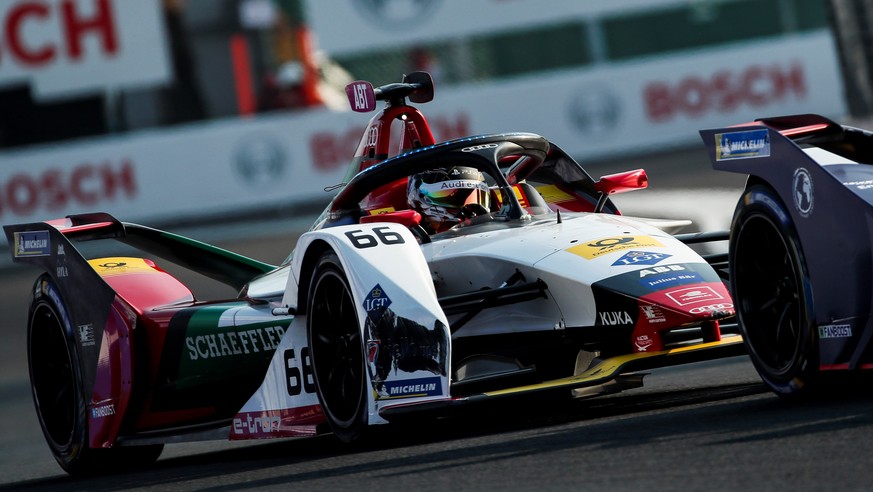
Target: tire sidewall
<point>329,262</point>
<point>761,202</point>
<point>47,295</point>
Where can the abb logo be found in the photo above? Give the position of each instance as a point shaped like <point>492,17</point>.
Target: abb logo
<point>36,33</point>
<point>332,150</point>
<point>723,91</point>
<point>57,189</point>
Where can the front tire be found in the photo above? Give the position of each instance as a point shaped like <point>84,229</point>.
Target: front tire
<point>337,349</point>
<point>771,287</point>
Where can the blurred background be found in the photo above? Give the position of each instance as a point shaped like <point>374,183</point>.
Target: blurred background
<point>225,120</point>
<point>175,112</point>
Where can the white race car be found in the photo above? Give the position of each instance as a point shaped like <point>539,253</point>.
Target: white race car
<point>475,269</point>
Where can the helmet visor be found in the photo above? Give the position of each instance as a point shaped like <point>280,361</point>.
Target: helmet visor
<point>455,193</point>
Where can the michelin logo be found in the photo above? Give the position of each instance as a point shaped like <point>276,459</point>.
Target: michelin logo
<point>742,145</point>
<point>32,243</point>
<point>410,388</point>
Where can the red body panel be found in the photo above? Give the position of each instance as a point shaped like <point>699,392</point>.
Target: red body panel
<point>678,306</point>
<point>153,318</point>
<point>112,386</point>
<point>141,283</point>
<point>375,146</point>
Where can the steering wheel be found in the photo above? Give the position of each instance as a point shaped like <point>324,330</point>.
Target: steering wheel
<point>471,210</point>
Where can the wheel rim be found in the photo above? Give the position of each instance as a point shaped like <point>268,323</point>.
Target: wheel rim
<point>52,377</point>
<point>767,285</point>
<point>337,352</point>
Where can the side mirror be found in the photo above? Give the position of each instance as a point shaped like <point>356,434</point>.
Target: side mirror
<point>424,91</point>
<point>622,182</point>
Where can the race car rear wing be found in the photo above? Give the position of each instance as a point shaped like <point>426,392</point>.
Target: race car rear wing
<point>802,125</point>
<point>219,264</point>
<point>738,147</point>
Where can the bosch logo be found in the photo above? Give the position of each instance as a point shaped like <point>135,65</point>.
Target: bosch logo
<point>90,185</point>
<point>699,95</point>
<point>479,147</point>
<point>711,308</point>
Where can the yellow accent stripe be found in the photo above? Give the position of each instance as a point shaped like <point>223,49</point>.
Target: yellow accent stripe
<point>612,366</point>
<point>553,194</point>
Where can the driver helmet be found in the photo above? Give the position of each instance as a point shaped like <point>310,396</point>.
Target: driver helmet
<point>440,196</point>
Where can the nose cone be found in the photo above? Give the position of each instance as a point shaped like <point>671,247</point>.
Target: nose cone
<point>665,298</point>
<point>682,292</point>
<point>696,302</point>
<point>700,304</point>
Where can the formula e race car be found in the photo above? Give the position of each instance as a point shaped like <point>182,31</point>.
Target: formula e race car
<point>444,275</point>
<point>800,247</point>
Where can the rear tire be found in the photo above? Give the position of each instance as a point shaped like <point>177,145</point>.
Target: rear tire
<point>56,385</point>
<point>337,349</point>
<point>771,288</point>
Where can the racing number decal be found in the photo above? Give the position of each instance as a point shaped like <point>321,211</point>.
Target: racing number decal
<point>298,379</point>
<point>384,235</point>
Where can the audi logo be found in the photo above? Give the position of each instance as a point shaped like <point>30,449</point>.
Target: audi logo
<point>479,147</point>
<point>711,308</point>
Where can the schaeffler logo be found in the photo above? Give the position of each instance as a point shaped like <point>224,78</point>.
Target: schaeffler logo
<point>397,13</point>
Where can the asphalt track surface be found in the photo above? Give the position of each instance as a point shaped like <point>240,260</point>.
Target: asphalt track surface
<point>706,426</point>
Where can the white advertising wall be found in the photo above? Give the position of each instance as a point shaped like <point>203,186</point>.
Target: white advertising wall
<point>647,106</point>
<point>346,26</point>
<point>63,48</point>
<point>239,165</point>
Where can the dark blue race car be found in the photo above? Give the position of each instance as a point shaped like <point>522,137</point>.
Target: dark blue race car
<point>800,242</point>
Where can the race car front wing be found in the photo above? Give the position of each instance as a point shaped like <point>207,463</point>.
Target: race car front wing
<point>607,375</point>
